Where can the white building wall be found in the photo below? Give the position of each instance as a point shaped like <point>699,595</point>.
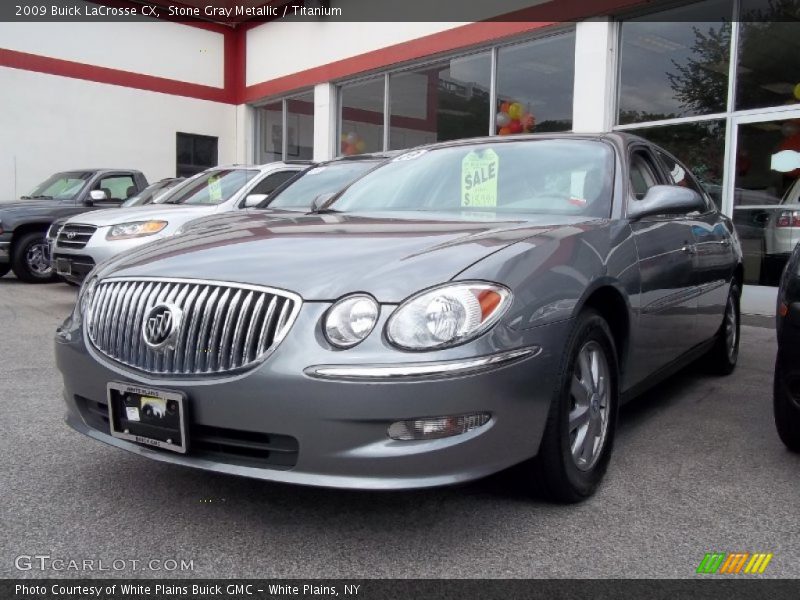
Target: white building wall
<point>317,43</point>
<point>50,123</point>
<point>156,48</point>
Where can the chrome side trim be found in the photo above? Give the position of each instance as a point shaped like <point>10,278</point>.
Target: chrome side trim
<point>421,369</point>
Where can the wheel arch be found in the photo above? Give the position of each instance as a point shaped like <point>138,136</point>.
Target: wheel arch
<point>611,302</point>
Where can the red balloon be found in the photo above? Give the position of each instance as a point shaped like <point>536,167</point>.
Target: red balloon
<point>505,106</point>
<point>515,126</point>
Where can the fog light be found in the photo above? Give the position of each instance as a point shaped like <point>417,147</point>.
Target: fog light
<point>437,427</point>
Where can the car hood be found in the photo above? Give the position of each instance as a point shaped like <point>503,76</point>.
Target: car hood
<point>325,256</point>
<point>30,207</point>
<point>114,216</point>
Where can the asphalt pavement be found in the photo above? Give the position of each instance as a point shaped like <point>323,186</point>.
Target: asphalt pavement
<point>697,468</point>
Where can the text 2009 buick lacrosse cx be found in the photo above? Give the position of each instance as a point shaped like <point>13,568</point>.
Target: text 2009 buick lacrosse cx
<point>465,307</point>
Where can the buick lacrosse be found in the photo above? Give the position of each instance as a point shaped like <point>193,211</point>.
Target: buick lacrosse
<point>465,307</point>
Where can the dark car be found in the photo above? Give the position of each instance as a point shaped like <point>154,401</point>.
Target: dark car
<point>787,364</point>
<point>24,224</point>
<point>459,309</point>
<point>152,192</point>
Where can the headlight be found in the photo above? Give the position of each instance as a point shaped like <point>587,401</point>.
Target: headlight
<point>350,320</point>
<point>125,231</point>
<point>86,294</point>
<point>448,315</point>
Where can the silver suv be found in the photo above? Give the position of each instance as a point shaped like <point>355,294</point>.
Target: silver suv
<point>88,239</point>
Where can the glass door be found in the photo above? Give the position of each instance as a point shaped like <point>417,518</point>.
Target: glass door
<point>764,171</point>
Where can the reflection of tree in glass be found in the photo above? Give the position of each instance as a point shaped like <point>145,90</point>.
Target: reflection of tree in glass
<point>769,56</point>
<point>701,83</point>
<point>700,146</point>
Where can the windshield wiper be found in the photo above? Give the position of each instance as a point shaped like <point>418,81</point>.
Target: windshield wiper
<point>41,197</point>
<point>324,211</point>
<point>24,197</point>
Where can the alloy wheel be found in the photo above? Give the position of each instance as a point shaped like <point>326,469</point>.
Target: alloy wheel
<point>731,332</point>
<point>589,405</point>
<point>36,259</point>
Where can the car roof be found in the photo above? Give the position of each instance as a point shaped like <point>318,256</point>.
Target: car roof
<point>616,137</point>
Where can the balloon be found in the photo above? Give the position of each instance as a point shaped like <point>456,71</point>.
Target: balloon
<point>528,122</point>
<point>515,127</point>
<point>515,110</point>
<point>504,107</point>
<point>502,119</point>
<point>504,131</point>
<point>360,146</point>
<point>797,91</point>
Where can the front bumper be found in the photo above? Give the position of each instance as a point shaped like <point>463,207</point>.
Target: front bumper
<point>96,250</point>
<point>78,265</point>
<point>336,428</point>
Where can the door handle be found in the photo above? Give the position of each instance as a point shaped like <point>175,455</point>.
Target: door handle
<point>689,249</point>
<point>725,242</point>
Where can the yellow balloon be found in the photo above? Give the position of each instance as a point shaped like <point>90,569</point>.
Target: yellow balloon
<point>515,111</point>
<point>797,91</point>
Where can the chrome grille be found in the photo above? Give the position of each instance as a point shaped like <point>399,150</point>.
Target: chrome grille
<point>74,236</point>
<point>224,326</point>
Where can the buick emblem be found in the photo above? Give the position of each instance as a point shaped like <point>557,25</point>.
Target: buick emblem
<point>161,324</point>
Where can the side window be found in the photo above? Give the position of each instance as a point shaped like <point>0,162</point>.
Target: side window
<point>679,175</point>
<point>118,188</point>
<point>643,174</point>
<point>271,182</point>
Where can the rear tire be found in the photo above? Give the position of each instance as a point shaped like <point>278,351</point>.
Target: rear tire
<point>722,357</point>
<point>30,259</point>
<point>579,434</point>
<point>787,414</point>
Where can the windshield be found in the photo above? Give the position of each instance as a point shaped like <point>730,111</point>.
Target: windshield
<point>557,176</point>
<point>61,186</point>
<point>212,187</point>
<point>301,191</point>
<point>150,193</point>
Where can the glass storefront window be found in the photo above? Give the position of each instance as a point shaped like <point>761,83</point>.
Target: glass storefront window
<point>271,138</point>
<point>535,83</point>
<point>297,142</point>
<point>769,54</point>
<point>766,208</point>
<point>672,64</point>
<point>300,127</point>
<point>361,124</point>
<point>441,102</point>
<point>700,146</point>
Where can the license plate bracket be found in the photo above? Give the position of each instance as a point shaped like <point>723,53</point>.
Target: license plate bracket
<point>146,415</point>
<point>63,266</point>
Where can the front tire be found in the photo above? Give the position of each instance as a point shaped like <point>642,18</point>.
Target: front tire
<point>723,356</point>
<point>787,413</point>
<point>579,435</point>
<point>30,259</point>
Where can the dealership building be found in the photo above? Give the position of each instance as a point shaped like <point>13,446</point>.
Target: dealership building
<point>715,82</point>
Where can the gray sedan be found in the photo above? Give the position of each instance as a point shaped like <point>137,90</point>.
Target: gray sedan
<point>463,308</point>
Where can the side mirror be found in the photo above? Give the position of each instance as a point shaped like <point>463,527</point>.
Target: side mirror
<point>320,201</point>
<point>666,200</point>
<point>95,196</point>
<point>254,200</point>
